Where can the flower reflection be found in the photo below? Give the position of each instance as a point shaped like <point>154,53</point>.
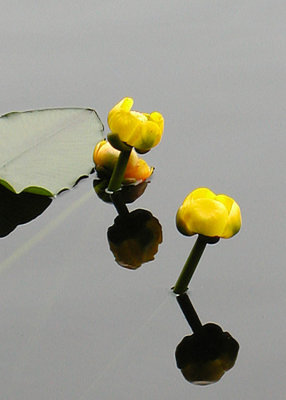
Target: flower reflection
<point>208,353</point>
<point>128,193</point>
<point>134,238</point>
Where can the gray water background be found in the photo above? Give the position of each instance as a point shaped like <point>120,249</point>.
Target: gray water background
<point>76,326</point>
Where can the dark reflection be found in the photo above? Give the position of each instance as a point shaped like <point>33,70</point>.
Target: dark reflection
<point>128,193</point>
<point>17,209</point>
<point>208,353</point>
<point>135,236</point>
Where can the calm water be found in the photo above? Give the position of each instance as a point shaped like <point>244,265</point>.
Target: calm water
<point>74,324</point>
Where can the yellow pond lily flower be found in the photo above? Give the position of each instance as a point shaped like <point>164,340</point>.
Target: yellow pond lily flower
<point>205,213</point>
<point>140,130</point>
<point>105,157</point>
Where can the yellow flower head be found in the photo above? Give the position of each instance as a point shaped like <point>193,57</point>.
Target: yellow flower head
<point>205,213</point>
<point>105,157</point>
<point>140,130</point>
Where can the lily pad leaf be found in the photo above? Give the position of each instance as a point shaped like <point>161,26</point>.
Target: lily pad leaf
<point>47,151</point>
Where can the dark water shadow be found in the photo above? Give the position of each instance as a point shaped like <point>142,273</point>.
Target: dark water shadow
<point>135,236</point>
<point>128,194</point>
<point>208,353</point>
<point>18,209</point>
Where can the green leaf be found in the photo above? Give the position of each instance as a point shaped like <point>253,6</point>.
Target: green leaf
<point>47,151</point>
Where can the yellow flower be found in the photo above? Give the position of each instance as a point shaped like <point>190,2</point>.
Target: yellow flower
<point>208,214</point>
<point>140,130</point>
<point>105,157</point>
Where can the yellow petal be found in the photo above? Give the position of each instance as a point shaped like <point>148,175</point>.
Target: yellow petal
<point>208,217</point>
<point>233,223</point>
<point>138,171</point>
<point>200,193</point>
<point>182,219</point>
<point>158,119</point>
<point>226,200</point>
<point>184,216</point>
<point>105,155</point>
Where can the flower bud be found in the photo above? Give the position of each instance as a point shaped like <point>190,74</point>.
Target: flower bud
<point>205,213</point>
<point>105,157</point>
<point>140,130</point>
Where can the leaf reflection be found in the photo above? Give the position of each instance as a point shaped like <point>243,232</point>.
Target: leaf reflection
<point>17,209</point>
<point>208,353</point>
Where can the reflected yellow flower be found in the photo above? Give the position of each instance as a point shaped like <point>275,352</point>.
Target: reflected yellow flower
<point>140,130</point>
<point>205,356</point>
<point>105,157</point>
<point>205,213</point>
<point>134,238</point>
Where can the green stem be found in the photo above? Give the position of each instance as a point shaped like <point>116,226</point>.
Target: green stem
<point>119,170</point>
<point>188,270</point>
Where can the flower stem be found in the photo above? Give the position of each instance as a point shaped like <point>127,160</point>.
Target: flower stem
<point>119,170</point>
<point>189,268</point>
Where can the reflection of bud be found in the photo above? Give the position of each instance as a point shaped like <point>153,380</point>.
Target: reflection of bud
<point>128,193</point>
<point>134,238</point>
<point>205,356</point>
